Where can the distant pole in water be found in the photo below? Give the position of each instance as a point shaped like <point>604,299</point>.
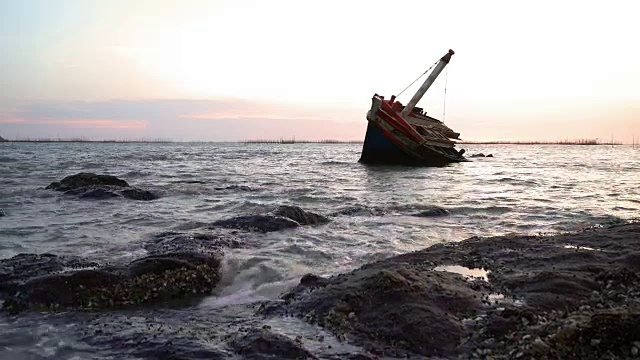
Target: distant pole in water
<point>427,83</point>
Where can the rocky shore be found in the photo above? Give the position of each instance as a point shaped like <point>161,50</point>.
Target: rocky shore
<point>560,296</point>
<point>570,296</point>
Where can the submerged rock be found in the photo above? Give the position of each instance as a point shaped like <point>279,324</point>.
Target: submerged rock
<point>86,180</point>
<point>236,187</point>
<point>261,223</point>
<point>481,155</point>
<point>138,194</point>
<point>546,297</point>
<point>147,280</point>
<point>302,217</point>
<point>285,217</point>
<point>93,186</point>
<point>2,213</point>
<point>433,211</point>
<point>262,343</point>
<point>176,242</point>
<point>360,210</point>
<point>93,193</point>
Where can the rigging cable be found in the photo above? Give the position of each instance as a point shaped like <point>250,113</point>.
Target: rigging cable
<point>444,105</point>
<point>414,81</point>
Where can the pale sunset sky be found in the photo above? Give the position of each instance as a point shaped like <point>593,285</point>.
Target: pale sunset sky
<point>242,69</point>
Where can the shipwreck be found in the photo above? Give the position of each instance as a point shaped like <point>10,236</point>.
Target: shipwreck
<point>406,135</point>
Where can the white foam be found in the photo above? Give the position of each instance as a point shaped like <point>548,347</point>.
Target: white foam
<point>581,248</point>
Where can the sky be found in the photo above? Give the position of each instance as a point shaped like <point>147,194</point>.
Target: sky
<point>247,69</point>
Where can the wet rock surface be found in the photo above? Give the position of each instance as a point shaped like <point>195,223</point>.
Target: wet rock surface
<point>303,217</point>
<point>480,155</point>
<point>284,217</point>
<point>20,268</point>
<point>265,344</point>
<point>179,266</point>
<point>99,187</point>
<point>570,296</point>
<point>212,242</point>
<point>433,211</point>
<point>147,280</point>
<point>260,223</point>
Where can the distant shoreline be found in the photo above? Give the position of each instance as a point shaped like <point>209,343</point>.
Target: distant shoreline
<point>576,142</point>
<point>292,141</point>
<point>86,141</point>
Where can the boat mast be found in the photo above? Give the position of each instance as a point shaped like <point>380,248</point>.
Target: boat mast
<point>427,83</point>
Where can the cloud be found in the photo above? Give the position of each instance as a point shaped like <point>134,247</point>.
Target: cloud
<point>181,119</point>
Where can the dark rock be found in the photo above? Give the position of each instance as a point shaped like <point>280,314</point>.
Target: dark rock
<point>490,155</point>
<point>20,268</point>
<point>138,194</point>
<point>433,211</point>
<point>543,299</point>
<point>391,310</point>
<point>170,262</point>
<point>2,213</point>
<point>262,223</point>
<point>302,217</point>
<point>86,179</point>
<point>147,280</point>
<point>61,290</point>
<point>262,344</point>
<point>313,280</point>
<point>176,242</point>
<point>480,155</point>
<point>92,186</point>
<point>615,332</point>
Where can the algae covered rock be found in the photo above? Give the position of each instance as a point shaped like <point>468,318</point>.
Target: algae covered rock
<point>563,296</point>
<point>147,280</point>
<point>386,310</point>
<point>22,267</point>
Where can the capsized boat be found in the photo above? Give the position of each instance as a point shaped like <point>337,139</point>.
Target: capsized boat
<point>405,135</point>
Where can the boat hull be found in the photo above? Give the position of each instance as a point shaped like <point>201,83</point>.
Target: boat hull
<point>390,139</point>
<point>380,150</point>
